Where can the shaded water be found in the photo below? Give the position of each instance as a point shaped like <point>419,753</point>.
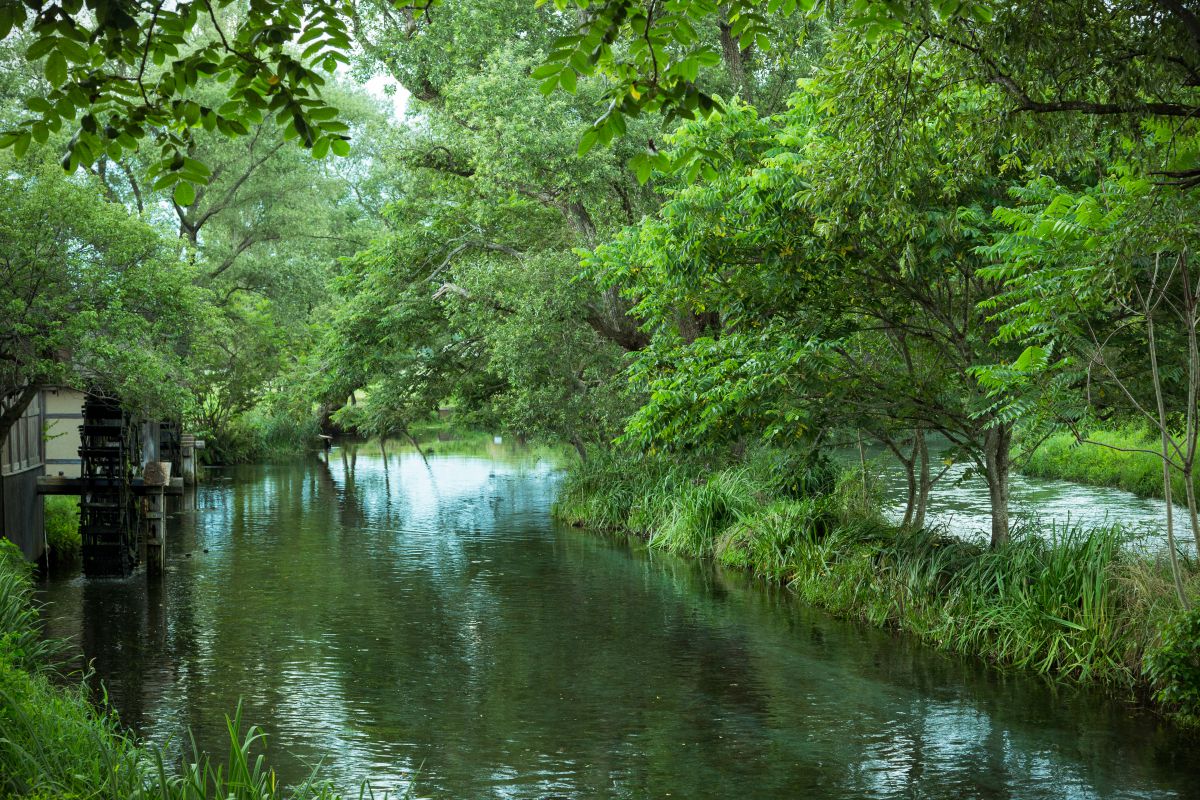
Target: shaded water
<point>436,620</point>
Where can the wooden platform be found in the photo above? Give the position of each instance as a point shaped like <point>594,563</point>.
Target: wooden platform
<point>51,484</point>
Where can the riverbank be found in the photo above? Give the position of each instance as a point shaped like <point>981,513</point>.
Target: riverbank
<point>54,742</point>
<point>1073,604</point>
<point>1117,459</point>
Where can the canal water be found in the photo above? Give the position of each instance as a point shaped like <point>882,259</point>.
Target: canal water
<point>958,503</point>
<point>430,628</point>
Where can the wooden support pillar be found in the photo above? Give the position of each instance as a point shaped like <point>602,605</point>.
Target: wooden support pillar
<point>157,478</point>
<point>187,447</point>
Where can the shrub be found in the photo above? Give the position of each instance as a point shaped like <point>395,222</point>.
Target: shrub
<point>260,434</point>
<point>1174,665</point>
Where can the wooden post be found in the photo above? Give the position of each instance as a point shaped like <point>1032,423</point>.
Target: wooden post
<point>187,458</point>
<point>157,476</point>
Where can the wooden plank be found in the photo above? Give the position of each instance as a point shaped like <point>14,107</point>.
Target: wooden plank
<point>54,484</point>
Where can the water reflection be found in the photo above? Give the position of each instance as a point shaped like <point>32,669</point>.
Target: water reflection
<point>397,617</point>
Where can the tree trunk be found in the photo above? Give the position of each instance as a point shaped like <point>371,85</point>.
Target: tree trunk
<point>577,443</point>
<point>1189,490</point>
<point>735,62</point>
<point>1165,443</point>
<point>925,482</point>
<point>862,465</point>
<point>909,463</point>
<point>910,497</point>
<point>995,447</point>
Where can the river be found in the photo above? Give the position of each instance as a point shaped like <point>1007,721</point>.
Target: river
<point>431,628</point>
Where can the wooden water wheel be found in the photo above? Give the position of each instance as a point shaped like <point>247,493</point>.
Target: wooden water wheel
<point>110,455</point>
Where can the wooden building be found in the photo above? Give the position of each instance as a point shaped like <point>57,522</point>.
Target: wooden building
<point>22,462</point>
<point>62,410</point>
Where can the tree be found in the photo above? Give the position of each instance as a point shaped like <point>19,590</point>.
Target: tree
<point>830,293</point>
<point>89,295</point>
<point>1102,291</point>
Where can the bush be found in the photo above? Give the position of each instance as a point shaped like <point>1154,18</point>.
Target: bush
<point>1174,664</point>
<point>261,434</point>
<point>61,516</point>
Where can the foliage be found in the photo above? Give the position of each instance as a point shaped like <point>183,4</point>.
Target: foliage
<point>261,434</point>
<point>91,295</point>
<point>1174,664</point>
<point>61,515</point>
<point>117,73</point>
<point>21,644</point>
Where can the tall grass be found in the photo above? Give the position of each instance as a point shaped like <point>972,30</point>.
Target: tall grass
<point>1062,457</point>
<point>54,743</point>
<point>1068,601</point>
<point>61,515</point>
<point>261,434</point>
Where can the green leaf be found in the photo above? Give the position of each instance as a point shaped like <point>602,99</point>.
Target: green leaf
<point>56,69</point>
<point>587,141</point>
<point>41,47</point>
<point>73,51</point>
<point>21,145</point>
<point>1030,358</point>
<point>340,147</point>
<point>644,169</point>
<point>185,194</point>
<point>567,80</point>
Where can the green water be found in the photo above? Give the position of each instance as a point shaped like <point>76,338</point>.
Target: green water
<point>433,622</point>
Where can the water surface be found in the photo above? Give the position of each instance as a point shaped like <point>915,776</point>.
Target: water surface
<point>397,620</point>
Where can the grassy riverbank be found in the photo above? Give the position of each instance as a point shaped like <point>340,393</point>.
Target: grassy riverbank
<point>54,743</point>
<point>1117,460</point>
<point>1073,604</point>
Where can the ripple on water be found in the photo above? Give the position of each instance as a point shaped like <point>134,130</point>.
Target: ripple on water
<point>402,619</point>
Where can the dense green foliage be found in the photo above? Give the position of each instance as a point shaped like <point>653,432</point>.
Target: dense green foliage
<point>672,234</point>
<point>61,520</point>
<point>1175,664</point>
